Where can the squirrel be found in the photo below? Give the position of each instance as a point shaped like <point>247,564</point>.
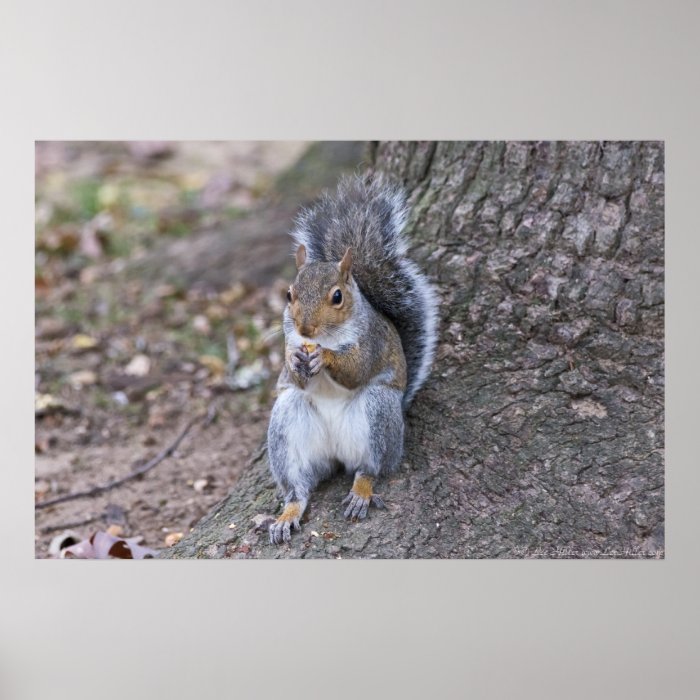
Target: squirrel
<point>360,335</point>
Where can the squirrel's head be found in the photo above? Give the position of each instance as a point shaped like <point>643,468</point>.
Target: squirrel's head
<point>321,297</point>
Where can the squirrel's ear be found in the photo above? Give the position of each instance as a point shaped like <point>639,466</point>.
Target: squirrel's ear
<point>300,257</point>
<point>346,264</point>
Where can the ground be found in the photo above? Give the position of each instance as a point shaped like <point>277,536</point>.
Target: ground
<point>161,271</point>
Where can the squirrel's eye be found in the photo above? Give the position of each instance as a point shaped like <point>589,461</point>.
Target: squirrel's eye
<point>289,295</point>
<point>337,296</point>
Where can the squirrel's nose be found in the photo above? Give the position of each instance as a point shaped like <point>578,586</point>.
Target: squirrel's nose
<point>307,330</point>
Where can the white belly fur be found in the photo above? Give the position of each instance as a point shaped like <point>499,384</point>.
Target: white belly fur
<point>343,430</point>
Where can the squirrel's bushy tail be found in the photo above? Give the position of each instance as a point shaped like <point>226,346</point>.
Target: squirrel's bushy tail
<point>369,216</point>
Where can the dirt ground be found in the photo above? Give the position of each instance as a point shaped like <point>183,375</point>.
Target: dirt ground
<point>161,271</point>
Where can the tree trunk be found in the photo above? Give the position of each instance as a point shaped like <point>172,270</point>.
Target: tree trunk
<point>540,430</point>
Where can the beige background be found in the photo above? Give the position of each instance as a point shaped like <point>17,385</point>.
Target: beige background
<point>541,629</point>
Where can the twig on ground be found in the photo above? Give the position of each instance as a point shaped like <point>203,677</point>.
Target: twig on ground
<point>69,526</point>
<point>206,419</point>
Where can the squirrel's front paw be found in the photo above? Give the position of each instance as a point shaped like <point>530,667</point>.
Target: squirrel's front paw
<point>360,498</point>
<point>281,529</point>
<point>315,361</point>
<point>299,365</point>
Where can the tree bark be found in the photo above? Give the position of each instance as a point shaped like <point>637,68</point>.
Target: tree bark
<point>540,430</point>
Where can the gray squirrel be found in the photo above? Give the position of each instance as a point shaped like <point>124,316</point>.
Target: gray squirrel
<point>360,334</point>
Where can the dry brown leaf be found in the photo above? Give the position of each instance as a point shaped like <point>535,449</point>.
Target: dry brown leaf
<point>232,295</point>
<point>216,312</point>
<point>200,484</point>
<point>215,365</point>
<point>92,233</point>
<point>163,291</point>
<point>60,542</point>
<point>63,239</point>
<point>173,538</point>
<point>46,403</point>
<point>81,378</point>
<point>139,366</point>
<point>41,488</point>
<point>201,324</point>
<point>51,328</point>
<point>157,419</point>
<point>81,342</point>
<point>102,545</point>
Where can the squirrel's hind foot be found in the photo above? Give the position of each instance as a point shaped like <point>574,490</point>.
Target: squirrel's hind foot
<point>360,498</point>
<point>281,529</point>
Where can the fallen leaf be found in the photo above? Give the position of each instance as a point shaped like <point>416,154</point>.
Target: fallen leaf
<point>157,419</point>
<point>41,488</point>
<point>102,545</point>
<point>90,240</point>
<point>41,281</point>
<point>45,404</point>
<point>216,312</point>
<point>249,376</point>
<point>108,195</point>
<point>67,538</point>
<point>90,245</point>
<point>215,365</point>
<point>63,239</point>
<point>163,291</point>
<point>141,388</point>
<point>201,325</point>
<point>194,179</point>
<point>150,150</point>
<point>173,538</point>
<point>51,328</point>
<point>82,342</point>
<point>120,398</point>
<point>81,378</point>
<point>139,366</point>
<point>200,484</point>
<point>232,295</point>
<point>88,275</point>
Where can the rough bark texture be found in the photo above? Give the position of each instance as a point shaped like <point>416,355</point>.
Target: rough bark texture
<point>540,431</point>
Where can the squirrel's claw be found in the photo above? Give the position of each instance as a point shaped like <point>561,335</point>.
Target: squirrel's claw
<point>361,496</point>
<point>377,502</point>
<point>315,360</point>
<point>304,365</point>
<point>281,530</point>
<point>298,361</point>
<point>358,505</point>
<point>298,365</point>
